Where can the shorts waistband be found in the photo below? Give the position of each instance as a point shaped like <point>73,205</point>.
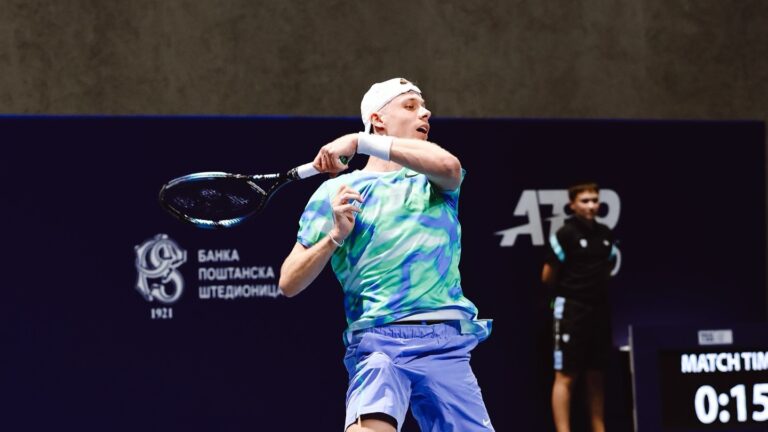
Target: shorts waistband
<point>479,328</point>
<point>409,330</point>
<point>420,322</point>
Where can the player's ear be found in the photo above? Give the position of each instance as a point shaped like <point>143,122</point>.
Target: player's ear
<point>376,120</point>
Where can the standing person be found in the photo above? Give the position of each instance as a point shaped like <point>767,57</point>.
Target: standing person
<point>392,235</point>
<point>578,266</point>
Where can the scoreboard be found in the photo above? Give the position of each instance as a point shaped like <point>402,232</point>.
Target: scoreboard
<point>700,379</point>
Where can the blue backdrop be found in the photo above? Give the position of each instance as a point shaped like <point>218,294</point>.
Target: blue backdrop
<point>83,348</point>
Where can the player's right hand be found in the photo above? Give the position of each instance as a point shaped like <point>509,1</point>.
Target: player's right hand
<point>329,158</point>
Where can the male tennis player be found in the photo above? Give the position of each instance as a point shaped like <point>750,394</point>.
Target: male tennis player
<point>392,234</point>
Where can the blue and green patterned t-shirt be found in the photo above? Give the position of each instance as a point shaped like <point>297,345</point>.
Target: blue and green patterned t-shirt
<point>402,256</point>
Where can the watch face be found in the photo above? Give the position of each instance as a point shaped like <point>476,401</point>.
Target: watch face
<point>715,389</point>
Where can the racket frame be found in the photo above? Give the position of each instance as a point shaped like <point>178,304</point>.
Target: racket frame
<point>280,179</point>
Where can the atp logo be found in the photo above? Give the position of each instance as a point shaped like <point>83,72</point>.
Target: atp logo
<point>157,261</point>
<point>529,206</point>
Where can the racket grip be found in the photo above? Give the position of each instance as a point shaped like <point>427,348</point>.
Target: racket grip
<point>306,170</point>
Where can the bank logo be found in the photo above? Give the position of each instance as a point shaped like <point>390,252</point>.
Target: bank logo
<point>157,263</point>
<point>530,203</point>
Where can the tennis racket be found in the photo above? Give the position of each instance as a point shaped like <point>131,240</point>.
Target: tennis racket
<point>222,200</point>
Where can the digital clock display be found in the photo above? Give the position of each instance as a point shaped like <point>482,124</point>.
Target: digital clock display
<point>709,389</point>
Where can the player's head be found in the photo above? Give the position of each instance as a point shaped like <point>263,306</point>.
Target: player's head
<point>395,107</point>
<point>585,200</point>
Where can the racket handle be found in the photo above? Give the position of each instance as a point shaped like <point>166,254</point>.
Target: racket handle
<point>307,170</point>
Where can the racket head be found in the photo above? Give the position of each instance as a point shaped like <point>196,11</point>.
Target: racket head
<point>214,199</point>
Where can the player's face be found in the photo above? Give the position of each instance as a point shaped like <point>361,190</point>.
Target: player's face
<point>586,204</point>
<point>406,116</point>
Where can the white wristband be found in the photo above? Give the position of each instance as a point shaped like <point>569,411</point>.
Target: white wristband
<point>374,145</point>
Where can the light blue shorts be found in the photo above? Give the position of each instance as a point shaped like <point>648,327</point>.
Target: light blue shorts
<point>424,365</point>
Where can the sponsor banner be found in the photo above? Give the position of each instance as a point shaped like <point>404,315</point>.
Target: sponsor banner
<point>220,274</point>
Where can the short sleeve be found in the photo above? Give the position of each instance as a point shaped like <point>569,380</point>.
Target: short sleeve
<point>317,219</point>
<point>555,253</point>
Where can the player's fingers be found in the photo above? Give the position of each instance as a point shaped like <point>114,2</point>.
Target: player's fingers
<point>355,195</point>
<point>348,197</point>
<point>330,166</point>
<point>347,188</point>
<point>346,193</point>
<point>327,161</point>
<point>348,208</point>
<point>318,162</point>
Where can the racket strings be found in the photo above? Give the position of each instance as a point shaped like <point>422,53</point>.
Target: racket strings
<point>214,200</point>
<point>217,199</point>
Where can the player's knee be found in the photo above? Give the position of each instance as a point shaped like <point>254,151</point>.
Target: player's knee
<point>566,378</point>
<point>356,428</point>
<point>377,422</point>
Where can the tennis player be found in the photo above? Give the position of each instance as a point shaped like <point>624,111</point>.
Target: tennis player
<point>392,234</point>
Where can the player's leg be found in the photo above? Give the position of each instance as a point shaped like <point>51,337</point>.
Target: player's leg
<point>596,362</point>
<point>446,396</point>
<point>562,389</point>
<point>378,394</point>
<point>570,352</point>
<point>374,423</point>
<point>595,399</point>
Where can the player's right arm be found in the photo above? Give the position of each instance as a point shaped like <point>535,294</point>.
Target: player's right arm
<point>304,264</point>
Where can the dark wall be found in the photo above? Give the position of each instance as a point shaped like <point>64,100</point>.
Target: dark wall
<point>629,59</point>
<point>82,347</point>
